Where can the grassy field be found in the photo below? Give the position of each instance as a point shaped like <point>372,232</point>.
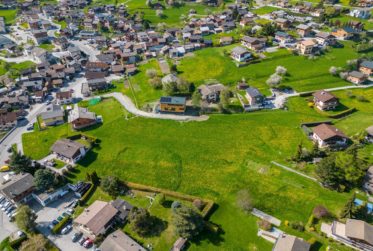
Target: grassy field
<point>212,159</point>
<point>9,16</point>
<point>368,25</point>
<point>47,46</point>
<point>304,74</point>
<point>5,67</point>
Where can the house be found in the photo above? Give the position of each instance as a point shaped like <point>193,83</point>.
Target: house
<point>305,47</point>
<point>40,36</point>
<point>68,150</point>
<point>53,117</point>
<point>119,241</point>
<point>283,37</point>
<point>39,96</point>
<point>225,41</point>
<point>304,30</point>
<point>8,120</point>
<point>2,25</point>
<point>366,67</point>
<point>343,33</point>
<point>356,77</point>
<point>253,43</point>
<point>282,23</point>
<point>328,136</point>
<point>117,69</point>
<point>96,219</point>
<point>254,96</point>
<point>18,188</point>
<point>286,242</point>
<point>81,118</point>
<point>173,104</point>
<point>211,92</point>
<point>46,197</point>
<point>123,208</point>
<point>179,244</point>
<point>64,98</point>
<point>240,54</point>
<point>363,13</point>
<point>97,84</point>
<point>325,38</point>
<point>324,100</point>
<point>97,67</point>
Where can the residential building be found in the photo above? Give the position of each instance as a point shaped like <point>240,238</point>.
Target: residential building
<point>283,37</point>
<point>81,118</point>
<point>328,136</point>
<point>97,84</point>
<point>283,23</point>
<point>343,33</point>
<point>119,241</point>
<point>304,30</point>
<point>173,104</point>
<point>363,13</point>
<point>96,219</point>
<point>240,54</point>
<point>8,120</point>
<point>211,92</point>
<point>254,96</point>
<point>18,188</point>
<point>64,98</point>
<point>324,100</point>
<point>123,208</point>
<point>46,197</point>
<point>225,41</point>
<point>253,43</point>
<point>305,47</point>
<point>325,38</point>
<point>368,181</point>
<point>286,242</point>
<point>366,67</point>
<point>53,117</point>
<point>40,36</point>
<point>356,77</point>
<point>68,150</point>
<point>179,244</point>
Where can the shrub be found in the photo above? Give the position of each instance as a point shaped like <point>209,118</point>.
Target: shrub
<point>274,80</point>
<point>265,225</point>
<point>320,212</point>
<point>57,228</point>
<point>280,70</point>
<point>343,75</point>
<point>297,226</point>
<point>362,99</point>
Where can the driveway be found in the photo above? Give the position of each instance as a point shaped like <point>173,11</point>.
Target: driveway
<point>6,227</point>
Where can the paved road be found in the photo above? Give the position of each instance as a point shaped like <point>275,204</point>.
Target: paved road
<point>19,59</point>
<point>127,103</point>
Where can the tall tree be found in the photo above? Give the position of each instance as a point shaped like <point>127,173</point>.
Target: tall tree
<point>25,218</point>
<point>348,209</point>
<point>330,175</point>
<point>43,179</point>
<point>141,221</point>
<point>196,99</point>
<point>112,185</point>
<point>21,163</point>
<point>188,222</point>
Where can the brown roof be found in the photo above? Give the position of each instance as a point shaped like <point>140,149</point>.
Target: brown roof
<point>119,241</point>
<point>63,95</point>
<point>96,216</point>
<point>8,117</point>
<point>291,243</point>
<point>18,185</point>
<point>97,65</point>
<point>94,75</point>
<point>358,229</point>
<point>67,148</point>
<point>325,131</point>
<point>324,96</point>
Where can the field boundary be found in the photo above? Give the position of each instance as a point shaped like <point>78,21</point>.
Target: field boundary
<point>294,171</point>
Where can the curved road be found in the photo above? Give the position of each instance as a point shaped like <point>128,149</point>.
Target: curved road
<point>127,103</point>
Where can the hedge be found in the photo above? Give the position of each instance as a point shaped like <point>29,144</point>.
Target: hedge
<point>16,243</point>
<point>87,194</point>
<point>342,114</point>
<point>57,228</point>
<point>208,203</point>
<point>305,94</point>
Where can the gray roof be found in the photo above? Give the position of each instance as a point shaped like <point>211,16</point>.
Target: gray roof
<point>173,100</point>
<point>291,243</point>
<point>67,148</point>
<point>239,50</point>
<point>119,241</point>
<point>253,92</point>
<point>367,64</point>
<point>54,113</point>
<point>210,89</point>
<point>356,74</point>
<point>17,185</point>
<point>360,230</point>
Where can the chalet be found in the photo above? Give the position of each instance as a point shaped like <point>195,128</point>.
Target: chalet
<point>287,242</point>
<point>304,30</point>
<point>172,104</point>
<point>94,75</point>
<point>97,84</point>
<point>97,67</point>
<point>96,220</point>
<point>8,120</point>
<point>366,67</point>
<point>40,36</point>
<point>324,100</point>
<point>53,117</point>
<point>282,23</point>
<point>39,96</point>
<point>325,38</point>
<point>343,34</point>
<point>18,188</point>
<point>123,208</point>
<point>69,151</point>
<point>119,241</point>
<point>254,96</point>
<point>64,98</point>
<point>356,77</point>
<point>306,47</point>
<point>211,93</point>
<point>240,54</point>
<point>283,37</point>
<point>253,43</point>
<point>117,69</point>
<point>328,136</point>
<point>81,118</point>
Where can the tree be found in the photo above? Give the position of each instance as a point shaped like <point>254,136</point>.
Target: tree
<point>348,209</point>
<point>159,13</point>
<point>280,70</point>
<point>333,70</point>
<point>329,174</point>
<point>244,201</point>
<point>25,218</point>
<point>21,163</point>
<point>196,99</point>
<point>93,177</point>
<point>112,185</point>
<point>188,222</point>
<point>43,179</point>
<point>141,221</point>
<point>320,212</point>
<point>155,82</point>
<point>268,29</point>
<point>151,73</point>
<point>225,96</point>
<point>35,242</point>
<point>274,80</point>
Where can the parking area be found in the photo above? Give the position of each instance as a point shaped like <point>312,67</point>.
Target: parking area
<point>6,227</point>
<point>51,212</point>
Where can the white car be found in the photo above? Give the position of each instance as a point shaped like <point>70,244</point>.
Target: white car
<point>66,229</point>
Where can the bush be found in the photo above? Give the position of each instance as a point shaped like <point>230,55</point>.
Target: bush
<point>362,99</point>
<point>297,226</point>
<point>16,243</point>
<point>57,228</point>
<point>320,212</point>
<point>265,225</point>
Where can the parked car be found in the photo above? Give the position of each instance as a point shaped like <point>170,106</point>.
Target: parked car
<point>54,222</point>
<point>30,127</point>
<point>4,168</point>
<point>88,243</point>
<point>70,211</point>
<point>5,205</point>
<point>82,241</point>
<point>77,236</point>
<point>65,214</point>
<point>60,218</point>
<point>66,229</point>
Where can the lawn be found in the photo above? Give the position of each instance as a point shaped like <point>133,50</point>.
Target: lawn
<point>47,46</point>
<point>304,74</point>
<point>368,25</point>
<point>9,16</point>
<point>6,67</point>
<point>212,159</point>
<point>264,10</point>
